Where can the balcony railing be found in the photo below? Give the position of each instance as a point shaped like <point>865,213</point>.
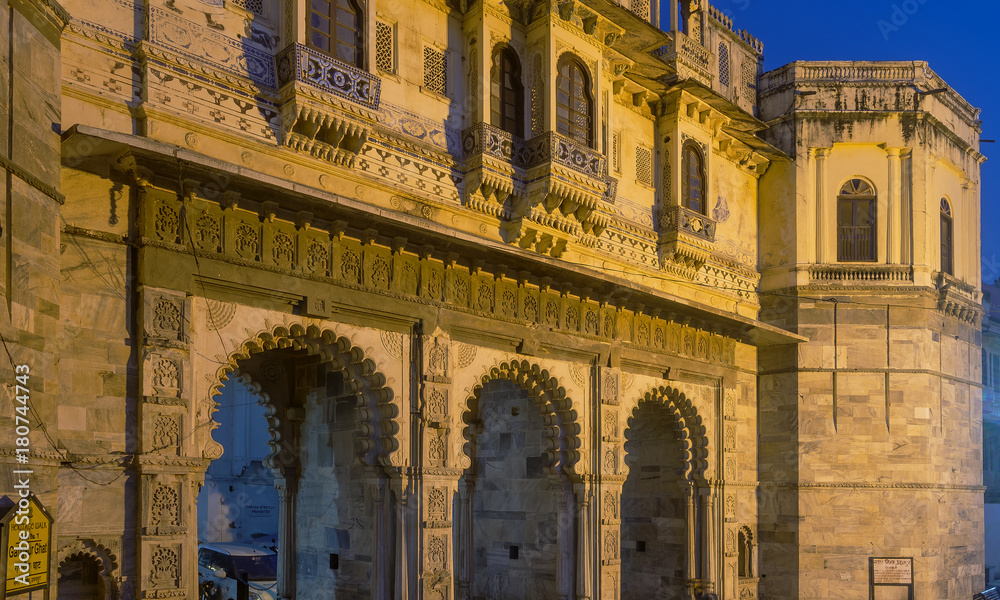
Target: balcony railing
<point>860,274</point>
<point>560,149</point>
<point>855,243</point>
<point>298,62</point>
<point>489,140</point>
<point>685,220</point>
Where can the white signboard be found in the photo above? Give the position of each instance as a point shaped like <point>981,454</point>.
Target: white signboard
<point>892,571</point>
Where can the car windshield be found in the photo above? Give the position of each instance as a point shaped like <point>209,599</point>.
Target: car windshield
<point>263,567</point>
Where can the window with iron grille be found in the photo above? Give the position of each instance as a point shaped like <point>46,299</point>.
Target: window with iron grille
<point>574,104</point>
<point>435,70</point>
<point>692,178</point>
<point>337,28</point>
<point>856,232</point>
<point>616,156</point>
<point>384,53</point>
<point>506,92</point>
<point>644,165</point>
<point>723,65</point>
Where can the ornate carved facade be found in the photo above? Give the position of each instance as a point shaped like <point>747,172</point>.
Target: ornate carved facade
<point>526,289</point>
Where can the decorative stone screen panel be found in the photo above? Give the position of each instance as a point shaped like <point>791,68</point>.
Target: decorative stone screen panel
<point>616,157</point>
<point>723,65</point>
<point>435,70</point>
<point>644,165</point>
<point>385,59</point>
<point>749,80</point>
<point>254,6</point>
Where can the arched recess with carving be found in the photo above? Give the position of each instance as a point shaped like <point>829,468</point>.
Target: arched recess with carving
<point>687,425</point>
<point>561,427</point>
<point>376,412</point>
<point>74,580</point>
<point>666,452</point>
<point>522,435</point>
<point>333,430</point>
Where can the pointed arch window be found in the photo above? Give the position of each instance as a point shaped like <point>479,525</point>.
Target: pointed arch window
<point>337,28</point>
<point>856,226</point>
<point>947,239</point>
<point>692,178</point>
<point>574,103</point>
<point>506,92</point>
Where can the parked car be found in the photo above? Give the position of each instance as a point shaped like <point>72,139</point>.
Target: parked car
<point>225,570</point>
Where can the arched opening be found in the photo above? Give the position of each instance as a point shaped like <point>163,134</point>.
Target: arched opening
<point>332,507</point>
<point>745,565</point>
<point>515,498</point>
<point>574,102</point>
<point>654,507</point>
<point>506,91</point>
<point>693,178</point>
<point>856,223</point>
<point>81,578</point>
<point>238,502</point>
<point>947,241</point>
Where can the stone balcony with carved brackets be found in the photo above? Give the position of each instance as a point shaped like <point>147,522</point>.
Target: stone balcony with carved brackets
<point>687,238</point>
<point>688,58</point>
<point>549,190</point>
<point>327,106</point>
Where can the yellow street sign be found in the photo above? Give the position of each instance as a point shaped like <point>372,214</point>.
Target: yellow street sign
<point>27,537</point>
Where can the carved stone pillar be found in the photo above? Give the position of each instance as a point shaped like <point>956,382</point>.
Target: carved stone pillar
<point>692,532</point>
<point>464,561</point>
<point>607,463</point>
<point>585,542</point>
<point>286,481</point>
<point>893,212</point>
<point>826,217</point>
<point>441,465</point>
<point>169,462</point>
<point>566,545</point>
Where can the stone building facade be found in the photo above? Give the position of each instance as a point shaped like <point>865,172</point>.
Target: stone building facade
<point>535,295</point>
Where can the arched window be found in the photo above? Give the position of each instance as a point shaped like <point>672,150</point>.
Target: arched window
<point>693,178</point>
<point>723,65</point>
<point>856,228</point>
<point>337,27</point>
<point>947,241</point>
<point>745,553</point>
<point>574,104</point>
<point>506,92</point>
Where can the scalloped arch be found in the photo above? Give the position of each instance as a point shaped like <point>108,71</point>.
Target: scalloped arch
<point>687,425</point>
<point>105,559</point>
<point>377,427</point>
<point>562,432</point>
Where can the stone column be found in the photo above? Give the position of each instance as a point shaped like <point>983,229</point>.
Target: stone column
<point>566,545</point>
<point>692,531</point>
<point>286,481</point>
<point>826,219</point>
<point>464,562</point>
<point>893,209</point>
<point>585,543</point>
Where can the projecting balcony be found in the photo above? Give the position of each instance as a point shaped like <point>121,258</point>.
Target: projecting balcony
<point>549,190</point>
<point>327,106</point>
<point>687,237</point>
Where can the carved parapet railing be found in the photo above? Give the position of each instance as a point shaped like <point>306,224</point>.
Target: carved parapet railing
<point>686,53</point>
<point>327,106</point>
<point>494,162</point>
<point>568,189</point>
<point>860,274</point>
<point>686,237</point>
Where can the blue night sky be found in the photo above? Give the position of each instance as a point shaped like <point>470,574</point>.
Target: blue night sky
<point>958,39</point>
